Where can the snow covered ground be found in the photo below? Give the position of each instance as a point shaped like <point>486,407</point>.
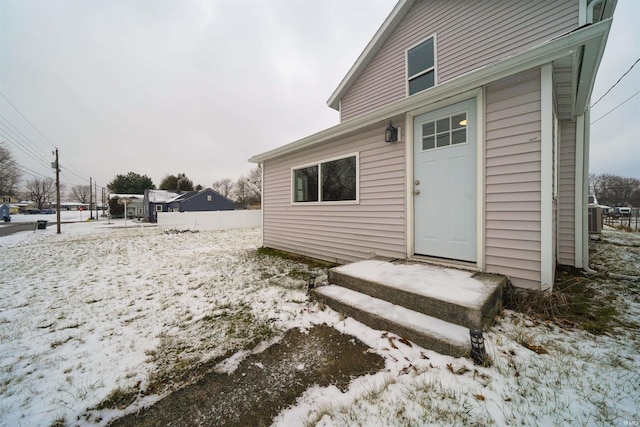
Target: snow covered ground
<point>102,308</point>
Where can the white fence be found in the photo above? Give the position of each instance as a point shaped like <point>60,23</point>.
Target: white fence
<point>202,221</point>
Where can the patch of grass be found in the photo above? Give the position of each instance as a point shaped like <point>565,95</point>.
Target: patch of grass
<point>60,421</point>
<point>574,301</point>
<point>58,343</point>
<point>119,398</point>
<point>311,262</point>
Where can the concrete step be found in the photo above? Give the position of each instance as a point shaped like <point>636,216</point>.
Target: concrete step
<point>426,331</point>
<point>455,296</point>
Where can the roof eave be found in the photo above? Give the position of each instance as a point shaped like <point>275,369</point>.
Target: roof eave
<point>386,29</point>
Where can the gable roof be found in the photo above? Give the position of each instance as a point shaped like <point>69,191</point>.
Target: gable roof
<point>191,194</point>
<point>600,9</point>
<point>389,25</point>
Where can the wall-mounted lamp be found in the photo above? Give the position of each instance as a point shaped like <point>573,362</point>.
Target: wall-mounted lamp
<point>391,133</point>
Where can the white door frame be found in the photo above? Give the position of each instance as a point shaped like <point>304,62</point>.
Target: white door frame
<point>478,94</point>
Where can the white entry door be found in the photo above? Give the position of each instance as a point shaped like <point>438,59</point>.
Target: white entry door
<point>444,149</point>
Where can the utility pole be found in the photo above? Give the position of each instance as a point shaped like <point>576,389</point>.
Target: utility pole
<point>90,198</point>
<point>57,167</point>
<point>95,194</point>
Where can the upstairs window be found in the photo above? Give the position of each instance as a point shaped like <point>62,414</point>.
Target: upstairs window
<point>334,180</point>
<point>421,69</point>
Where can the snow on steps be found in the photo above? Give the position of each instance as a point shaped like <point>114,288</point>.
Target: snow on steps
<point>426,331</point>
<point>450,300</point>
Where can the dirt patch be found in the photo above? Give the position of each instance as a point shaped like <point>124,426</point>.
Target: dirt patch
<point>264,383</point>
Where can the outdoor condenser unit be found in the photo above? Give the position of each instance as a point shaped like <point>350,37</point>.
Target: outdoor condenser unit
<point>595,220</point>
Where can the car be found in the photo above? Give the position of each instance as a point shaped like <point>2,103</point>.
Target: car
<point>48,211</point>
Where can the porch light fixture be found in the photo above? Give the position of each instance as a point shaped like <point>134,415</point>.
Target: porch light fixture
<point>391,133</point>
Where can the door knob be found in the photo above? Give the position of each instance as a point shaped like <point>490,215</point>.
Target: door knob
<point>417,182</point>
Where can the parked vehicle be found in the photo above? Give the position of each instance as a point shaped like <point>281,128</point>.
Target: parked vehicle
<point>620,211</point>
<point>48,211</point>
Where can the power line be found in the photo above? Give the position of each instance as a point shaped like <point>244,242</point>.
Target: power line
<point>615,108</point>
<point>27,120</point>
<point>14,139</point>
<point>614,85</point>
<point>37,130</point>
<point>24,138</point>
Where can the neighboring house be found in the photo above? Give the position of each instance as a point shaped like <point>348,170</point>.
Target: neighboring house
<point>134,204</point>
<point>490,102</point>
<point>190,201</point>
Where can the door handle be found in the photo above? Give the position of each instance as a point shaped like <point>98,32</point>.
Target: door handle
<point>416,192</point>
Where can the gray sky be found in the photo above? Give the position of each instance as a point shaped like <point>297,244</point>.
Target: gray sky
<point>198,87</point>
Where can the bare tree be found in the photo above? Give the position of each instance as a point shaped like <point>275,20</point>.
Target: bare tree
<point>613,190</point>
<point>41,191</point>
<point>248,188</point>
<point>224,187</point>
<point>9,173</point>
<point>80,193</point>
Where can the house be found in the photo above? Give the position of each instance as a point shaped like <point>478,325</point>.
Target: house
<point>463,138</point>
<point>133,206</point>
<point>190,201</point>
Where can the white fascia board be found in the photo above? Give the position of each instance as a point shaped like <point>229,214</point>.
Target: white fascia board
<point>591,56</point>
<point>537,56</point>
<point>381,36</point>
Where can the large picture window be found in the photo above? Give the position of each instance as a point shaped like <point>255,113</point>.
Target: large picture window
<point>421,69</point>
<point>334,180</point>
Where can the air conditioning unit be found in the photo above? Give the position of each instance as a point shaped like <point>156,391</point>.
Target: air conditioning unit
<point>595,220</point>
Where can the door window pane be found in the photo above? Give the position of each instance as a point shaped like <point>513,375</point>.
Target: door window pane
<point>442,125</point>
<point>459,136</point>
<point>428,129</point>
<point>459,121</point>
<point>443,140</point>
<point>428,143</point>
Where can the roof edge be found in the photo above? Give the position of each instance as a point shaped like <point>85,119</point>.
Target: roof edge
<point>388,26</point>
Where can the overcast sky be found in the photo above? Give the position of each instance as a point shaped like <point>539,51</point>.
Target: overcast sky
<point>198,87</point>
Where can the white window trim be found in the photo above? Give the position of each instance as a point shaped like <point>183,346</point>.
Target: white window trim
<point>434,68</point>
<point>318,163</point>
<point>159,208</point>
<point>466,112</point>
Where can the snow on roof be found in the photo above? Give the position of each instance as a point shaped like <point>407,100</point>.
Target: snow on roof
<point>162,196</point>
<point>128,196</point>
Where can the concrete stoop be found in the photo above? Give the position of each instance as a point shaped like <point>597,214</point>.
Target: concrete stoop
<point>432,306</point>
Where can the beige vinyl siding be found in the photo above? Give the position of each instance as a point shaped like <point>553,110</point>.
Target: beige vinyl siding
<point>513,180</point>
<point>469,35</point>
<point>341,232</point>
<point>566,193</point>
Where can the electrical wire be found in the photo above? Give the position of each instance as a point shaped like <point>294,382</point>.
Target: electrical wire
<point>615,108</point>
<point>614,85</point>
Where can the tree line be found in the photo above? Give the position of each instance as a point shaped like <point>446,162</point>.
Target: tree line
<point>613,190</point>
<point>244,191</point>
